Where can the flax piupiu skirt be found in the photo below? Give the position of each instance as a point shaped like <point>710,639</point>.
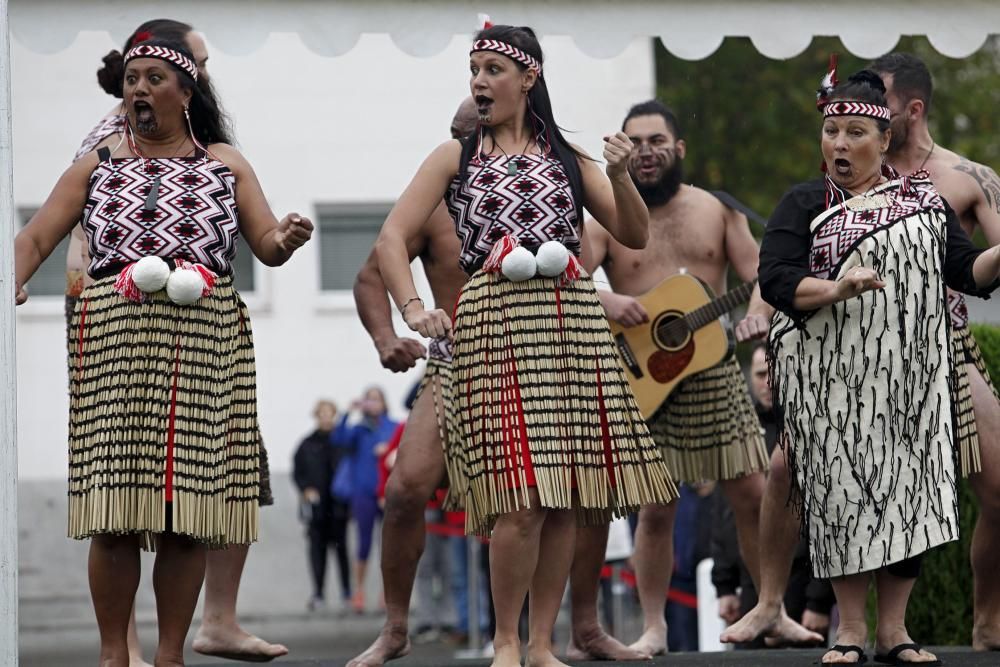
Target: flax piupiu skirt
<point>544,403</point>
<point>163,417</point>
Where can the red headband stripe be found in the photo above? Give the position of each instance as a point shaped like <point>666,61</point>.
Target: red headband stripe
<point>164,53</point>
<point>506,49</point>
<point>841,108</point>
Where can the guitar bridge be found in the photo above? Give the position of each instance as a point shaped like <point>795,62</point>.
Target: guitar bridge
<point>627,356</point>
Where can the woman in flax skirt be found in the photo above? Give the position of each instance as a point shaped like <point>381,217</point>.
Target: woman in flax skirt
<point>549,423</point>
<point>164,441</point>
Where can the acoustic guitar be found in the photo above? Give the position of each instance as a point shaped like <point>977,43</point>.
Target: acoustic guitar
<point>683,336</point>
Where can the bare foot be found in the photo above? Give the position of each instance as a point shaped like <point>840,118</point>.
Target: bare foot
<point>542,658</point>
<point>235,643</point>
<point>787,632</point>
<point>986,638</point>
<point>652,642</point>
<point>596,644</point>
<point>754,623</point>
<point>137,661</point>
<point>393,642</point>
<point>506,655</point>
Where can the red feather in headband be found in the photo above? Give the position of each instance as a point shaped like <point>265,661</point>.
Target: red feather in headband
<point>828,83</point>
<point>141,37</point>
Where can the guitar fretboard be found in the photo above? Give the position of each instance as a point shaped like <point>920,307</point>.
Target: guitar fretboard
<point>712,311</point>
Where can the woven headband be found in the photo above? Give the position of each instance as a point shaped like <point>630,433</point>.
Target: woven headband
<point>506,49</point>
<point>164,53</point>
<point>842,108</point>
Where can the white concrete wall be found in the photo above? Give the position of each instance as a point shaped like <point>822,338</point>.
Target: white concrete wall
<point>317,130</point>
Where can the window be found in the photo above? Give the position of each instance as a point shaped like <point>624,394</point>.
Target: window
<point>243,267</point>
<point>50,278</point>
<point>347,233</point>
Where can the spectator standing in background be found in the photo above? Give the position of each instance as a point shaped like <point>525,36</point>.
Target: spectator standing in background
<point>325,518</point>
<point>356,479</point>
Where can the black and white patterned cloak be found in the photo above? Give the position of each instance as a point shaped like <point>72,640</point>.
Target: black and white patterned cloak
<point>862,386</point>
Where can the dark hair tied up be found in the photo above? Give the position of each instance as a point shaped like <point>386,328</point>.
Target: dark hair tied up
<point>111,74</point>
<point>866,76</point>
<point>864,86</point>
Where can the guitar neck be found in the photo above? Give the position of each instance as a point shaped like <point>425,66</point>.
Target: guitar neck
<point>715,309</point>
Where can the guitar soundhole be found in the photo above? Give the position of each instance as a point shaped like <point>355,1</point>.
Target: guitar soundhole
<point>670,331</point>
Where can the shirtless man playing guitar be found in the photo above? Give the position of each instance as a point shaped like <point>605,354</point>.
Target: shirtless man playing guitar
<point>707,429</point>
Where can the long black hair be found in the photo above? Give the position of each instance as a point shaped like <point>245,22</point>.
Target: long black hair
<point>112,73</point>
<point>863,86</point>
<point>524,39</point>
<point>210,124</point>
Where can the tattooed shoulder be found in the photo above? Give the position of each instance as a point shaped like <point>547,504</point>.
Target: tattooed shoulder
<point>986,178</point>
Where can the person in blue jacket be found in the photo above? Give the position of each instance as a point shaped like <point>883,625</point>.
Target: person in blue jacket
<point>364,438</point>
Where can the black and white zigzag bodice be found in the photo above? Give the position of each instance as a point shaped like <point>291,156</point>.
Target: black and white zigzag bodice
<point>193,216</point>
<point>534,203</point>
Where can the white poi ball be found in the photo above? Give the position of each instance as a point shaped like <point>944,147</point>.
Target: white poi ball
<point>150,274</point>
<point>184,286</point>
<point>552,258</point>
<point>518,265</point>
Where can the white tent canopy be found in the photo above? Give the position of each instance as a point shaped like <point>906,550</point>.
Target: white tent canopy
<point>601,28</point>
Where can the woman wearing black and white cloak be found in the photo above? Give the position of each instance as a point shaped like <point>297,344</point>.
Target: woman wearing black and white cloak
<point>857,264</point>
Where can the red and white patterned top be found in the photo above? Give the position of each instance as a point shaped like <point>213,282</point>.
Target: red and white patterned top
<point>195,217</point>
<point>842,227</point>
<point>111,124</point>
<point>957,309</point>
<point>535,205</point>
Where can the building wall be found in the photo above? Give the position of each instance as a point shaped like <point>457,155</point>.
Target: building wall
<point>318,131</point>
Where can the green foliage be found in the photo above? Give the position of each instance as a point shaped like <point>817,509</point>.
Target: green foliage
<point>988,337</point>
<point>751,124</point>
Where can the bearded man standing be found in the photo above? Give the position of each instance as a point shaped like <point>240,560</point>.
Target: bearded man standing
<point>707,429</point>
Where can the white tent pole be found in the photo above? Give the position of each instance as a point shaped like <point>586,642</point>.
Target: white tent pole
<point>8,442</point>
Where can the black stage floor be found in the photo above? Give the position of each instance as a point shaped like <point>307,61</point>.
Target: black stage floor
<point>950,655</point>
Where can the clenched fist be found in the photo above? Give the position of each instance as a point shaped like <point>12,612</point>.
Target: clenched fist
<point>293,232</point>
<point>428,323</point>
<point>617,148</point>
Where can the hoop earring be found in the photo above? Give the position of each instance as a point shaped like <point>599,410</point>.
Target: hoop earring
<point>194,139</point>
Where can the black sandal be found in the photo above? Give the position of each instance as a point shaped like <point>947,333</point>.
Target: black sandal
<point>844,649</point>
<point>892,657</point>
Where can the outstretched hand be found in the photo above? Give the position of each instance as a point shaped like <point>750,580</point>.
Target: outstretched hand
<point>857,281</point>
<point>293,232</point>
